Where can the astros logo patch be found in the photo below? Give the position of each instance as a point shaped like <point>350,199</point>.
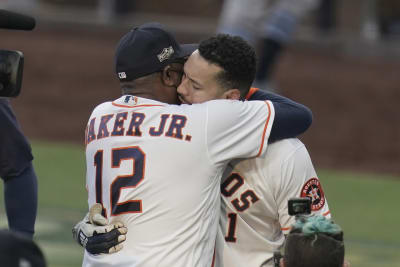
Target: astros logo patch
<point>313,189</point>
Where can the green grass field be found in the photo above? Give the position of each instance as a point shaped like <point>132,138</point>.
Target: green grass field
<point>365,205</point>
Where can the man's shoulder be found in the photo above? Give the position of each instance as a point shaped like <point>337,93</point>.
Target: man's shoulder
<point>284,146</point>
<point>277,153</point>
<point>101,107</point>
<point>280,151</point>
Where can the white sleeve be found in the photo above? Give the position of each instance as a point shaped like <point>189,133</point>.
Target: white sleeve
<point>299,179</point>
<point>237,129</point>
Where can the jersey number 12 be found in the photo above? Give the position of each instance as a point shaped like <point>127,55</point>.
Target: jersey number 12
<point>118,155</point>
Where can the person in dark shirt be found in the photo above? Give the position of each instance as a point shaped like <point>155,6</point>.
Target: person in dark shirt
<point>17,172</point>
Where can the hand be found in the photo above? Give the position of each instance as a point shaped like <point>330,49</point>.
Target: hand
<point>96,235</point>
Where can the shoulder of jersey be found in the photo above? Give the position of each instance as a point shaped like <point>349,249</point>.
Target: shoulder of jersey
<point>284,147</point>
<point>102,106</point>
<point>210,103</point>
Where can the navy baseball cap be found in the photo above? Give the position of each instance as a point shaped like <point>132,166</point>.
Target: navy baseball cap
<point>147,49</point>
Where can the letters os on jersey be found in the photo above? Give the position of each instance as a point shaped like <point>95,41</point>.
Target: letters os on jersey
<point>255,193</point>
<point>158,168</point>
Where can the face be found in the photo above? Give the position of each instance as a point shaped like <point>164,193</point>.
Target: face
<point>172,76</point>
<point>167,95</point>
<point>199,83</point>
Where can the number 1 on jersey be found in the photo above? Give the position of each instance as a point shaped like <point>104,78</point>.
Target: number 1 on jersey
<point>230,237</point>
<point>123,181</point>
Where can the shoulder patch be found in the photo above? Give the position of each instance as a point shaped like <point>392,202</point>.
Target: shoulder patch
<point>313,189</point>
<point>130,99</point>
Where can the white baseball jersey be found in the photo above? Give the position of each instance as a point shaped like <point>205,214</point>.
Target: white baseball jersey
<point>255,194</point>
<point>158,168</point>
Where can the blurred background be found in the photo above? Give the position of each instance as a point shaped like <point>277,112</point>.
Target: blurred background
<point>342,61</point>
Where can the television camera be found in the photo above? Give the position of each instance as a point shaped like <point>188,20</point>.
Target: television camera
<point>12,62</point>
<point>299,207</point>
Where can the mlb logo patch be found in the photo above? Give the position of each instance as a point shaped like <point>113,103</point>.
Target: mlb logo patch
<point>129,99</point>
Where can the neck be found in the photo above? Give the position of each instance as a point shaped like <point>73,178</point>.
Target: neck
<point>142,94</point>
<point>142,87</point>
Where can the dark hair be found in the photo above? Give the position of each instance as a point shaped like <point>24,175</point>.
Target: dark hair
<point>314,242</point>
<point>235,56</point>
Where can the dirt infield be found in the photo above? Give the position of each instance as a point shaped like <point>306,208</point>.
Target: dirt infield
<point>354,101</point>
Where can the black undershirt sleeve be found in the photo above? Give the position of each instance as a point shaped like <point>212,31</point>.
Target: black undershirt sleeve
<point>291,118</point>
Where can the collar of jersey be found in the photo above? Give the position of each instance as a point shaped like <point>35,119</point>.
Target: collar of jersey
<point>251,92</point>
<point>134,102</point>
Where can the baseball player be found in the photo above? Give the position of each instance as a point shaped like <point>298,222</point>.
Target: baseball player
<point>16,170</point>
<point>255,192</point>
<point>172,217</point>
<point>254,215</point>
<point>254,209</point>
<point>266,24</point>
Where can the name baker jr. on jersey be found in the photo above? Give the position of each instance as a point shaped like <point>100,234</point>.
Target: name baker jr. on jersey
<point>129,124</point>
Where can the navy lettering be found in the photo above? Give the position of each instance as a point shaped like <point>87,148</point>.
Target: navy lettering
<point>175,128</point>
<point>245,203</point>
<point>237,181</point>
<point>90,132</point>
<point>103,130</point>
<point>119,124</point>
<point>134,126</point>
<point>161,127</point>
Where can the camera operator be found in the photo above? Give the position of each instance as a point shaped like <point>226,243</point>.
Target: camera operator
<point>314,241</point>
<point>16,169</point>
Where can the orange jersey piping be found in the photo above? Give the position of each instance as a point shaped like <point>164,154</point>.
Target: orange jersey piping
<point>326,213</point>
<point>265,128</point>
<point>124,106</point>
<point>213,260</point>
<point>251,92</point>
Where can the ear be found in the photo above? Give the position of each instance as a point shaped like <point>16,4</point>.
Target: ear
<point>170,77</point>
<point>233,94</point>
<point>281,263</point>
